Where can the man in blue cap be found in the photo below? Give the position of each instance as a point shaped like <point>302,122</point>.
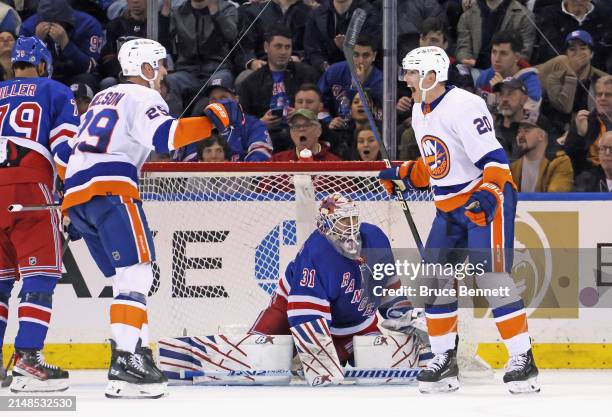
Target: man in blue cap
<point>569,79</point>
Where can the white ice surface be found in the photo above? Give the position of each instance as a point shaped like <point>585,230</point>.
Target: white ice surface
<point>571,393</point>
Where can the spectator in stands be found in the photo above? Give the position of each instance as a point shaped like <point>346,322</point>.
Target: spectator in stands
<point>288,13</point>
<point>563,96</point>
<point>368,148</point>
<point>434,32</point>
<point>557,21</point>
<point>213,149</point>
<point>309,97</point>
<point>342,132</point>
<point>411,17</point>
<point>598,178</point>
<point>10,21</point>
<point>326,26</point>
<point>73,37</point>
<point>506,61</point>
<point>337,87</point>
<point>582,142</point>
<point>132,22</point>
<point>482,20</point>
<point>7,40</point>
<point>83,94</point>
<point>268,92</point>
<point>543,167</point>
<point>512,96</point>
<point>203,32</point>
<point>306,132</point>
<point>248,140</point>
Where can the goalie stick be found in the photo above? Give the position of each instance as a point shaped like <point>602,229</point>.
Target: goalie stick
<point>406,374</point>
<point>354,28</point>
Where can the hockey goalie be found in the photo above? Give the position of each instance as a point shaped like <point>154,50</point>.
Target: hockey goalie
<point>322,302</point>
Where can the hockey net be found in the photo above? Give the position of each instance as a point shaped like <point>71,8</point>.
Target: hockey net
<point>224,233</point>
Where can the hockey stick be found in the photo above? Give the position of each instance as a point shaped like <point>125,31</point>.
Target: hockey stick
<point>15,208</point>
<point>354,28</point>
<point>405,374</point>
<point>8,379</point>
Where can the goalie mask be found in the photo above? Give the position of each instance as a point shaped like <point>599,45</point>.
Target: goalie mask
<point>338,221</point>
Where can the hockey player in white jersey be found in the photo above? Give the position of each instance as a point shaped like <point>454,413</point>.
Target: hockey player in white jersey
<point>122,125</point>
<point>475,198</point>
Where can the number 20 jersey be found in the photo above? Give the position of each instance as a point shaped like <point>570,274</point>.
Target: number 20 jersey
<point>120,128</point>
<point>37,118</point>
<point>457,142</point>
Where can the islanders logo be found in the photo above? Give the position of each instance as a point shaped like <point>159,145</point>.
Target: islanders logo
<point>436,156</point>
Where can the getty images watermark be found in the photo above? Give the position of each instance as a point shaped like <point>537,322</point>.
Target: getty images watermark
<point>425,270</point>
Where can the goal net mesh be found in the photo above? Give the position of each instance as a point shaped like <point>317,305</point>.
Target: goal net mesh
<point>223,238</point>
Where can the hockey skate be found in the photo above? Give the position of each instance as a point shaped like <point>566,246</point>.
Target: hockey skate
<point>147,356</point>
<point>521,375</point>
<point>32,374</point>
<point>440,374</point>
<point>132,376</point>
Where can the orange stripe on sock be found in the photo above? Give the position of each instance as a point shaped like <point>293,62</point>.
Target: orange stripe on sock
<point>128,315</point>
<point>512,327</point>
<point>441,326</point>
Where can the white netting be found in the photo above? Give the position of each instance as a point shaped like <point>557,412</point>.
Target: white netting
<point>224,238</point>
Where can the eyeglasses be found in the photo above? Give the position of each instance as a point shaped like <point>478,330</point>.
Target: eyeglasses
<point>301,126</point>
<point>607,150</point>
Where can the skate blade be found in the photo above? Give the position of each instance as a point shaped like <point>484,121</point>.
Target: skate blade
<point>122,389</point>
<point>29,384</point>
<point>449,384</point>
<point>531,386</point>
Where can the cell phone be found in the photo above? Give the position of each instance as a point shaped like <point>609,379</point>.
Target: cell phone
<point>278,112</point>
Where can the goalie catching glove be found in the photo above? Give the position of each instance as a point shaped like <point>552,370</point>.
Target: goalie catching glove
<point>402,317</point>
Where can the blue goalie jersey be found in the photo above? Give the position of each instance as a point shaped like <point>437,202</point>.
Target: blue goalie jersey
<point>320,282</point>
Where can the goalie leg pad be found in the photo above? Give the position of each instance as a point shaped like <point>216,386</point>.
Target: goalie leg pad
<point>386,351</point>
<point>226,359</point>
<point>317,353</point>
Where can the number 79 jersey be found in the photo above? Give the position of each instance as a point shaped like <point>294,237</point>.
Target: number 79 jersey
<point>457,142</point>
<point>37,118</point>
<point>120,128</point>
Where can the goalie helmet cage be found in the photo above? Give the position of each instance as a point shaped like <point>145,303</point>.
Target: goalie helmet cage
<point>224,233</point>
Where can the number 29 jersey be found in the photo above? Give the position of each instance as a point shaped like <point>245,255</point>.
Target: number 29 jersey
<point>120,128</point>
<point>37,118</point>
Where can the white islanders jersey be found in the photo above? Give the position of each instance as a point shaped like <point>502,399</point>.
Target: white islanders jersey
<point>120,128</point>
<point>457,142</point>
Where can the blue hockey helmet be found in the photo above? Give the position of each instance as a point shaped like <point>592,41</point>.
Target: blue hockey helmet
<point>32,50</point>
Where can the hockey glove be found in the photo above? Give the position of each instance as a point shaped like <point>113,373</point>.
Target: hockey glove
<point>483,204</point>
<point>224,114</point>
<point>70,230</point>
<point>397,177</point>
<point>405,319</point>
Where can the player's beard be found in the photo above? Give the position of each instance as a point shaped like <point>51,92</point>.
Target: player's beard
<point>349,247</point>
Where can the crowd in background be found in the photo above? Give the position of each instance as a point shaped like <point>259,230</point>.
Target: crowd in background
<point>542,66</point>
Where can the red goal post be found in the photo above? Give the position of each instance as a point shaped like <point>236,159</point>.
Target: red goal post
<point>224,232</point>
